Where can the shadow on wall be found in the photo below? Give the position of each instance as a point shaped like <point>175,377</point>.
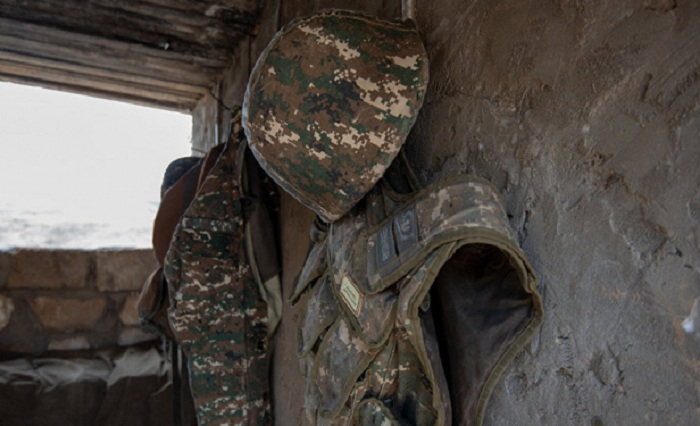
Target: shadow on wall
<point>92,390</point>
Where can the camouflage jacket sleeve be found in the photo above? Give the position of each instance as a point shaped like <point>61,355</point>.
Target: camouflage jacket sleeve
<point>217,312</point>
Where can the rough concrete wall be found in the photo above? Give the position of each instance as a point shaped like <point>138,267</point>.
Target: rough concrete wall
<point>61,300</point>
<point>586,114</point>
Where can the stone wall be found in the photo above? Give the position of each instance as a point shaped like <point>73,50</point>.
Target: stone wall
<point>57,300</point>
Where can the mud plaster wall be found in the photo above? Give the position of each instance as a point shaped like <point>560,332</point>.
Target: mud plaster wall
<point>586,115</point>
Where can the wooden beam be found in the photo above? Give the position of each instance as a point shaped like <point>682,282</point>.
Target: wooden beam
<point>105,85</point>
<point>184,106</point>
<point>166,53</point>
<point>196,32</point>
<point>124,74</point>
<point>195,13</point>
<point>59,38</point>
<point>201,6</point>
<point>167,70</point>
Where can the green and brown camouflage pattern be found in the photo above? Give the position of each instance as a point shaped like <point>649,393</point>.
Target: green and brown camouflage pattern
<point>367,342</point>
<point>330,102</point>
<point>432,219</point>
<point>217,313</point>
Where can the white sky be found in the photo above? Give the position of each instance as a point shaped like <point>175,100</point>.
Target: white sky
<point>89,168</point>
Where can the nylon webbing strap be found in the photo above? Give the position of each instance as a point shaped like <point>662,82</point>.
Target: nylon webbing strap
<point>453,209</point>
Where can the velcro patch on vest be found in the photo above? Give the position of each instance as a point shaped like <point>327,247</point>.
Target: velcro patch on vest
<point>406,229</point>
<point>385,247</point>
<point>351,295</point>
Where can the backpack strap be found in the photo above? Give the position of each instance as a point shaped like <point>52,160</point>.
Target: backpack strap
<point>261,235</point>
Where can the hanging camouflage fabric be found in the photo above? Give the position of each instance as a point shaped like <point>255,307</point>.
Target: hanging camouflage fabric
<point>330,102</point>
<point>218,312</point>
<point>415,305</point>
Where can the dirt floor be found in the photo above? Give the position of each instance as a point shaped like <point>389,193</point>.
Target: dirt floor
<point>586,115</point>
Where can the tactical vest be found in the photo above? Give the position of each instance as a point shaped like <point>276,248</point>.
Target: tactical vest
<point>414,306</point>
<point>218,310</point>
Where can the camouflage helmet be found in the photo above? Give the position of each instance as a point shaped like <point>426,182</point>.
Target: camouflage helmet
<point>330,102</point>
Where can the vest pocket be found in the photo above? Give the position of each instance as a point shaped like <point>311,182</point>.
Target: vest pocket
<point>342,358</point>
<point>320,313</point>
<point>373,412</point>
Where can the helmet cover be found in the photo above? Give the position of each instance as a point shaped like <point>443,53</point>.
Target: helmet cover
<point>331,101</point>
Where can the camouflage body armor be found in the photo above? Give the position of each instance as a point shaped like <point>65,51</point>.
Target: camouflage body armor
<point>218,311</point>
<point>415,304</point>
